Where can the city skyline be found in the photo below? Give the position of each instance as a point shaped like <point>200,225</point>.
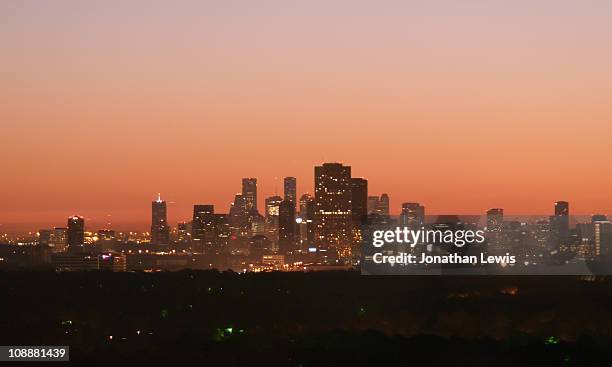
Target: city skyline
<point>250,189</point>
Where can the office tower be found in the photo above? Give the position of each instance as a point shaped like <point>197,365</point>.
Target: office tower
<point>59,239</point>
<point>286,227</point>
<point>160,231</point>
<point>223,232</point>
<point>290,189</point>
<point>258,225</point>
<point>412,215</point>
<point>238,218</point>
<point>203,226</point>
<point>559,225</point>
<point>183,233</point>
<point>106,239</point>
<point>372,204</point>
<point>249,193</point>
<point>333,221</point>
<point>44,237</point>
<point>272,211</point>
<point>359,201</point>
<point>306,225</point>
<point>383,205</point>
<point>495,220</point>
<point>76,233</point>
<point>603,240</point>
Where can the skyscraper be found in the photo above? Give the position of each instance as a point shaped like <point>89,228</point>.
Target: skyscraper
<point>286,227</point>
<point>495,220</point>
<point>76,233</point>
<point>412,215</point>
<point>290,189</point>
<point>559,225</point>
<point>238,218</point>
<point>272,212</point>
<point>249,193</point>
<point>333,220</point>
<point>307,227</point>
<point>359,201</point>
<point>383,205</point>
<point>160,231</point>
<point>203,226</point>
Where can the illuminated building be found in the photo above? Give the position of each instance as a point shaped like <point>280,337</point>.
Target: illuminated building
<point>603,239</point>
<point>203,226</point>
<point>112,262</point>
<point>44,237</point>
<point>412,215</point>
<point>286,227</point>
<point>106,239</point>
<point>238,218</point>
<point>372,204</point>
<point>290,187</point>
<point>306,221</point>
<point>272,211</point>
<point>495,222</point>
<point>383,205</point>
<point>183,232</point>
<point>160,231</point>
<point>76,233</point>
<point>333,220</point>
<point>249,193</point>
<point>59,239</point>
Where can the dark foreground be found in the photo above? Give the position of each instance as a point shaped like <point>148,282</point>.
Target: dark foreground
<point>309,319</point>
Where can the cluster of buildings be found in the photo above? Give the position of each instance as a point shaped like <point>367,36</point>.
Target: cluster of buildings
<point>291,232</point>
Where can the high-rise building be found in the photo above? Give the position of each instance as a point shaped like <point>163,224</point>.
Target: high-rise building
<point>412,215</point>
<point>286,227</point>
<point>306,221</point>
<point>333,219</point>
<point>59,239</point>
<point>598,218</point>
<point>249,193</point>
<point>603,240</point>
<point>238,218</point>
<point>272,212</point>
<point>203,226</point>
<point>495,220</point>
<point>290,186</point>
<point>160,231</point>
<point>183,234</point>
<point>76,233</point>
<point>372,204</point>
<point>359,201</point>
<point>383,205</point>
<point>559,225</point>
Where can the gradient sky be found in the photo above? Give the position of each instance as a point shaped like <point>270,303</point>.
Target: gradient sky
<point>460,105</point>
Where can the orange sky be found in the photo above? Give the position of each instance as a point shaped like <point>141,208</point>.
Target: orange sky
<point>495,104</point>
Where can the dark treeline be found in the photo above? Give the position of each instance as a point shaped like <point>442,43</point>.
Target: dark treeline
<point>314,318</point>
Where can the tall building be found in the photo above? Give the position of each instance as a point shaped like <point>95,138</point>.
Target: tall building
<point>290,186</point>
<point>412,215</point>
<point>372,204</point>
<point>238,218</point>
<point>76,233</point>
<point>286,227</point>
<point>495,220</point>
<point>249,193</point>
<point>59,239</point>
<point>359,201</point>
<point>306,225</point>
<point>559,225</point>
<point>203,226</point>
<point>383,205</point>
<point>160,231</point>
<point>333,219</point>
<point>272,212</point>
<point>603,240</point>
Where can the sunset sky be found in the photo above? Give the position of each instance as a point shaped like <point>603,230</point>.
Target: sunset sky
<point>459,105</point>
